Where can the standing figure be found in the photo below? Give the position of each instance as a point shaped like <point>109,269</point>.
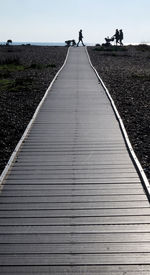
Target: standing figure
<point>117,36</point>
<point>80,38</point>
<point>120,37</point>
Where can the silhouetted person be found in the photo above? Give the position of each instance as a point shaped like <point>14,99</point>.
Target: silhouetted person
<point>120,37</point>
<point>80,38</point>
<point>117,36</point>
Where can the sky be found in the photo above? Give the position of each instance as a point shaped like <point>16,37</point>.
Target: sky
<point>60,20</point>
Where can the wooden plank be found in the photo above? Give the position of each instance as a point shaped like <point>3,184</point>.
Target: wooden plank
<point>46,198</point>
<point>75,220</point>
<point>75,238</point>
<point>82,153</point>
<point>29,185</point>
<point>72,180</point>
<point>75,248</point>
<point>79,157</point>
<point>75,213</point>
<point>73,192</point>
<point>74,205</point>
<point>67,166</point>
<point>80,269</point>
<point>12,184</point>
<point>79,173</point>
<point>87,161</point>
<point>75,259</point>
<point>66,146</point>
<point>76,229</point>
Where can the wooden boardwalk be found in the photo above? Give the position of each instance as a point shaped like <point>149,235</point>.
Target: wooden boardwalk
<point>73,202</point>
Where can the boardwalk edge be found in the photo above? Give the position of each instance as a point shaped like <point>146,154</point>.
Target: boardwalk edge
<point>20,142</point>
<point>139,168</point>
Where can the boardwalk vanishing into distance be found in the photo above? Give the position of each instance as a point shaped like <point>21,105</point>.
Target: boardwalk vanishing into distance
<point>73,202</point>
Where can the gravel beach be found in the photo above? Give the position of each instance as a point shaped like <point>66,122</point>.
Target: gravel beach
<point>26,72</point>
<point>126,73</point>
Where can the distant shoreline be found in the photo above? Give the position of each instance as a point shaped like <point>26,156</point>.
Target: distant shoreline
<point>35,43</point>
<point>41,44</point>
<point>23,43</point>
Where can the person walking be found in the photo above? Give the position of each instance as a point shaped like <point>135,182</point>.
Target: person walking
<point>117,36</point>
<point>121,37</point>
<point>80,38</point>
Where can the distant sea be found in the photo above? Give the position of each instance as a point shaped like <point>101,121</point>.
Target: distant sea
<point>41,43</point>
<point>37,43</point>
<point>60,43</point>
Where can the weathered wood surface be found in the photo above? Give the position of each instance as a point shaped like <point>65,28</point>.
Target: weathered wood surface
<point>73,202</point>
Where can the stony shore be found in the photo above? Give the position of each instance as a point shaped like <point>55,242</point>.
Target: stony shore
<point>26,72</point>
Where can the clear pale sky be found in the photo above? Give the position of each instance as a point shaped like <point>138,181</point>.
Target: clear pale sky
<point>60,20</point>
